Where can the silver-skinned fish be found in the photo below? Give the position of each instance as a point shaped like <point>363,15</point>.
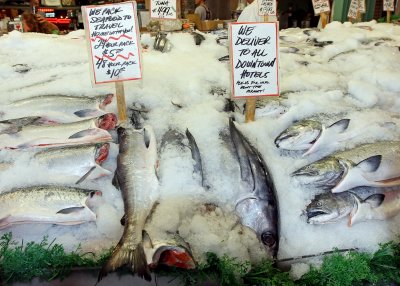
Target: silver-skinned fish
<point>58,108</point>
<point>47,204</point>
<point>376,164</point>
<point>82,162</point>
<point>359,204</point>
<point>258,208</point>
<point>80,132</point>
<point>136,176</point>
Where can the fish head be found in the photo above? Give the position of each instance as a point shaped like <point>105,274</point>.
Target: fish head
<point>324,173</point>
<point>107,121</point>
<point>101,154</point>
<point>328,207</point>
<point>300,136</point>
<point>258,216</point>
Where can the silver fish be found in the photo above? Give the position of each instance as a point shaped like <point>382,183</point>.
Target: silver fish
<point>376,164</point>
<point>81,162</point>
<point>58,108</point>
<point>137,161</point>
<point>309,134</point>
<point>359,204</point>
<point>198,167</point>
<point>85,131</point>
<point>258,209</point>
<point>325,130</point>
<point>47,204</point>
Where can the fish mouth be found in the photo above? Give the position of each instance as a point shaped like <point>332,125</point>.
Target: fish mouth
<point>315,213</point>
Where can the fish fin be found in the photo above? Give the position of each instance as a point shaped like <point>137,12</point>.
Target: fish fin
<point>88,113</point>
<point>70,210</point>
<point>198,167</point>
<point>375,200</point>
<point>354,211</point>
<point>83,133</point>
<point>85,175</point>
<point>115,181</point>
<point>123,220</point>
<point>370,164</point>
<point>352,178</point>
<point>340,125</point>
<point>134,259</point>
<point>362,209</point>
<point>317,143</point>
<point>147,243</point>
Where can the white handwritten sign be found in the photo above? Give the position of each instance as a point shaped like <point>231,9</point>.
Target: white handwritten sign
<point>254,59</point>
<point>361,6</point>
<point>112,33</point>
<point>164,9</point>
<point>353,9</point>
<point>388,5</point>
<point>321,6</point>
<point>266,7</point>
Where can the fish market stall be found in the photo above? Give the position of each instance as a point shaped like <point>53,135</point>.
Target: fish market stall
<point>335,127</point>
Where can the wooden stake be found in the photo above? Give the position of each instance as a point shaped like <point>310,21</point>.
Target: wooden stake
<point>388,16</point>
<point>250,109</point>
<point>120,92</point>
<point>324,19</point>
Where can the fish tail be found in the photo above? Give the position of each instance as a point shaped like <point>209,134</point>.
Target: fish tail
<point>133,259</point>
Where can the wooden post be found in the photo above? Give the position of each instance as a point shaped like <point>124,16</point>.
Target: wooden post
<point>251,102</point>
<point>120,93</point>
<point>324,19</point>
<point>388,16</point>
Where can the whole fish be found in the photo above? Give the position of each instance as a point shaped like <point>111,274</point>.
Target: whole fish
<point>58,108</point>
<point>136,176</point>
<point>86,131</point>
<point>198,167</point>
<point>81,162</point>
<point>325,130</point>
<point>376,164</point>
<point>47,204</point>
<point>309,134</point>
<point>359,204</point>
<point>258,208</point>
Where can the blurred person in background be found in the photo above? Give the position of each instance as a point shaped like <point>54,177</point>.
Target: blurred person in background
<point>202,10</point>
<point>38,24</point>
<point>250,13</point>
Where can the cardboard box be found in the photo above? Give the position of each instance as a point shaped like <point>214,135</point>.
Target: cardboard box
<point>209,25</point>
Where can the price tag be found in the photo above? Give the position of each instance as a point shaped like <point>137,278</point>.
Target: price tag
<point>163,9</point>
<point>112,34</point>
<point>321,6</point>
<point>267,7</point>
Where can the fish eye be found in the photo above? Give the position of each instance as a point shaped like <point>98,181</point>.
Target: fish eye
<point>268,239</point>
<point>319,204</point>
<point>92,193</point>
